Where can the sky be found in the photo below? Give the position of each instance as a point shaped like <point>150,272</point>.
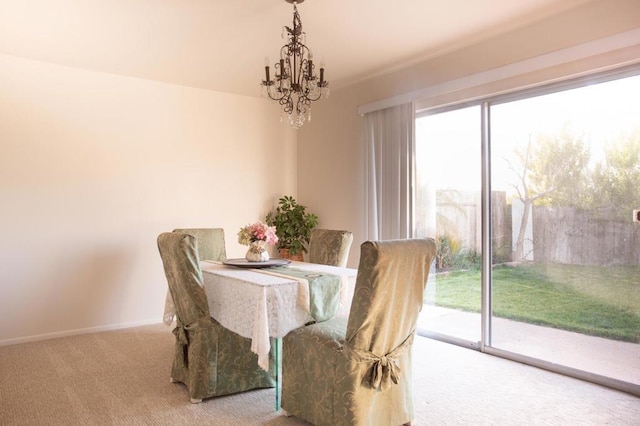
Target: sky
<point>448,144</point>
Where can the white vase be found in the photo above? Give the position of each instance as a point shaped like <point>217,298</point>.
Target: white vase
<point>257,252</point>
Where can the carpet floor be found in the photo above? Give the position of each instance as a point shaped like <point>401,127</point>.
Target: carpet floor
<point>122,378</point>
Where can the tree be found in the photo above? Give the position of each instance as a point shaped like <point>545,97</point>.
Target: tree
<point>551,170</point>
<point>616,181</point>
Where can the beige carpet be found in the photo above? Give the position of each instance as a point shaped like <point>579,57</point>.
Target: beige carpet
<point>122,378</point>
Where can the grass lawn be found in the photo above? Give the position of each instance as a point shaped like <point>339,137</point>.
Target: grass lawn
<point>598,301</point>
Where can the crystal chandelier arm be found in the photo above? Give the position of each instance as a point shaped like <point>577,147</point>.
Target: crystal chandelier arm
<point>287,103</point>
<point>284,74</point>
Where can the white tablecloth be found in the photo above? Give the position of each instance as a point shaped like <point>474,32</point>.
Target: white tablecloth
<point>259,304</point>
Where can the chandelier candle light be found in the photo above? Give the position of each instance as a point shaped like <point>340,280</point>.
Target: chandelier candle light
<point>295,81</point>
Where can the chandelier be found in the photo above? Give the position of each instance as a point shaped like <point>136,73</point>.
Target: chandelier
<point>295,84</point>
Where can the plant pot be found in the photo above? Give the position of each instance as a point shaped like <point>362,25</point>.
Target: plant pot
<point>284,253</point>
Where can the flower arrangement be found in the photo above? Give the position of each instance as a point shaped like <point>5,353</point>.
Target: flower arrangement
<point>258,231</point>
<point>256,236</point>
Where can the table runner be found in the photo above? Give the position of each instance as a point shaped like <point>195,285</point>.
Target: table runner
<point>324,291</point>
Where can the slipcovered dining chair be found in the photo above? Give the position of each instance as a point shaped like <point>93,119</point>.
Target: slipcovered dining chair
<point>210,242</point>
<point>358,371</point>
<point>330,247</point>
<point>209,359</point>
<point>211,246</point>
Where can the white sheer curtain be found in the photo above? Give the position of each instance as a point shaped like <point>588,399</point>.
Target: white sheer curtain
<point>389,168</point>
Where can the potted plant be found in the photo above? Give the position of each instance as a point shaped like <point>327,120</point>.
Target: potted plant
<point>293,227</point>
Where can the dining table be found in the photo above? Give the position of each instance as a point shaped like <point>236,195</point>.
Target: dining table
<point>261,303</point>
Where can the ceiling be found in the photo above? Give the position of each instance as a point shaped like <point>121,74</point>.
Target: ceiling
<point>221,44</point>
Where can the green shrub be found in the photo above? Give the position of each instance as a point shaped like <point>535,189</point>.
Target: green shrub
<point>450,255</point>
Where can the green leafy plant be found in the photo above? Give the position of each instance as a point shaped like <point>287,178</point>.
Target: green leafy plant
<point>293,224</point>
<point>447,249</point>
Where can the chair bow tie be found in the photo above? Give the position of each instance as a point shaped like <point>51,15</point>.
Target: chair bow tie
<point>181,334</point>
<point>385,368</point>
<point>182,338</point>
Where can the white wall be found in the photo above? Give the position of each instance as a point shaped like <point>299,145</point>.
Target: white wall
<point>330,148</point>
<point>94,166</point>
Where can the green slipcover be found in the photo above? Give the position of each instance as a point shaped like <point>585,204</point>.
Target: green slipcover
<point>330,247</point>
<point>210,242</point>
<point>358,371</point>
<point>209,359</point>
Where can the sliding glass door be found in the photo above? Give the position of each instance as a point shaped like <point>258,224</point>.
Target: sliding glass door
<point>448,205</point>
<point>567,168</point>
<point>563,286</point>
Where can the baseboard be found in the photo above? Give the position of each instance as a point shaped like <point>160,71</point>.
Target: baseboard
<point>54,335</point>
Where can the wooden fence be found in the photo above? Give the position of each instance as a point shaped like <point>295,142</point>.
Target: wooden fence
<point>568,235</point>
<point>555,234</point>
